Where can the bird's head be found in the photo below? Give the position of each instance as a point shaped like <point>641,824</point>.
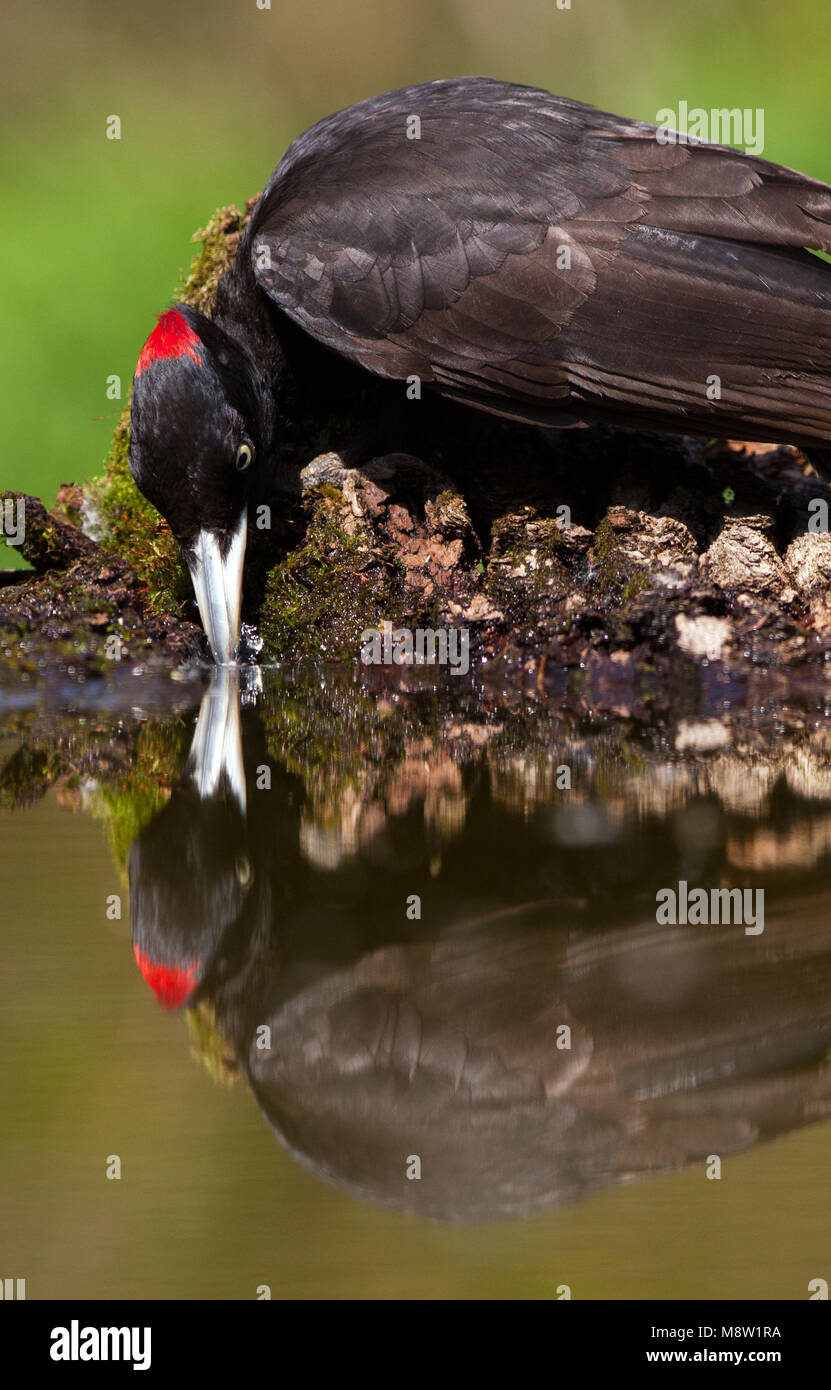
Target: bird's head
<point>197,424</point>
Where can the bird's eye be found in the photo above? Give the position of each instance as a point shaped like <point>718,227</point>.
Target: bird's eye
<point>245,457</point>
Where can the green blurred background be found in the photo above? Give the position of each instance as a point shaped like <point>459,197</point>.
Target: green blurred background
<point>210,93</point>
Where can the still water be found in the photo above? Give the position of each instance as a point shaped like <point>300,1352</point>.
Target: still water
<point>336,989</point>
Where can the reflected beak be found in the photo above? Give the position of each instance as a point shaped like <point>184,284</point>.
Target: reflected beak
<point>217,580</point>
<point>216,751</point>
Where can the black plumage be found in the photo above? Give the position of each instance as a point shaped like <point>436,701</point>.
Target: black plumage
<point>443,257</point>
<point>526,255</point>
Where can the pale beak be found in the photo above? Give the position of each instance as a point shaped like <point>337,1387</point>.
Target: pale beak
<point>217,580</point>
<point>216,751</point>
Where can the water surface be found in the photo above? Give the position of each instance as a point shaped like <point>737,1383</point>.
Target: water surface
<point>364,923</point>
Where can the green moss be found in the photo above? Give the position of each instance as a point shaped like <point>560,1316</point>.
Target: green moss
<point>634,586</point>
<point>322,596</point>
<point>43,546</point>
<point>450,513</point>
<point>326,492</point>
<point>126,522</point>
<point>133,780</point>
<point>333,735</point>
<point>129,803</point>
<point>219,241</point>
<point>617,578</point>
<point>209,1046</point>
<point>26,775</point>
<point>525,557</point>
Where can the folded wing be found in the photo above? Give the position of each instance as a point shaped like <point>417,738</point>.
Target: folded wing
<point>528,254</point>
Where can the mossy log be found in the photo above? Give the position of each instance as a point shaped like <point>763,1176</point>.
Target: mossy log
<point>585,549</point>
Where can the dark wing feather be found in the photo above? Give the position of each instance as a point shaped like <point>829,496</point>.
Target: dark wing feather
<point>529,252</point>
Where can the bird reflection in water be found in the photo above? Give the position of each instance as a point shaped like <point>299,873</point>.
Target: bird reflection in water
<point>527,1056</point>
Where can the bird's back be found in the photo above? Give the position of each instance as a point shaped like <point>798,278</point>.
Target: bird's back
<point>537,258</point>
